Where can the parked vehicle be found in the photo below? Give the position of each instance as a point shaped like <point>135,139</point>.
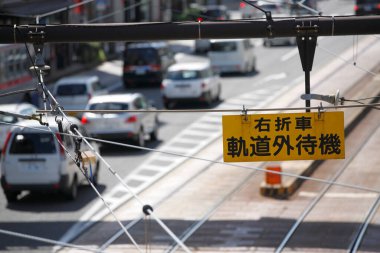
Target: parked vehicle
<point>215,12</point>
<point>73,93</point>
<point>367,7</point>
<point>22,108</point>
<point>146,63</point>
<point>130,126</point>
<point>194,81</point>
<point>232,55</point>
<point>33,160</point>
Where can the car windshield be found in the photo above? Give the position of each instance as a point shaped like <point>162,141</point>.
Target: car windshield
<point>32,143</point>
<point>109,106</point>
<point>183,75</point>
<point>141,56</point>
<point>71,89</point>
<point>223,46</point>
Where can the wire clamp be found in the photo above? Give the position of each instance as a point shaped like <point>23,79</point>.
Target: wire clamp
<point>244,114</point>
<point>332,99</point>
<point>147,209</point>
<point>38,117</point>
<point>321,110</point>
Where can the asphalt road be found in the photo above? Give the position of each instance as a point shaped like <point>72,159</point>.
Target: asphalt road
<point>50,216</point>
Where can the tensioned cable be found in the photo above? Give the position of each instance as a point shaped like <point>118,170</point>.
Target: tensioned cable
<point>221,110</point>
<point>56,107</point>
<point>17,92</point>
<point>363,188</point>
<point>49,241</point>
<point>122,10</point>
<point>44,95</point>
<point>346,61</point>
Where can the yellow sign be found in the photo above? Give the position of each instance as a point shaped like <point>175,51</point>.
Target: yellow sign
<point>285,136</point>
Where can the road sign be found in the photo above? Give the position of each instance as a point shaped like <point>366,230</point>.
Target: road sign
<point>284,136</point>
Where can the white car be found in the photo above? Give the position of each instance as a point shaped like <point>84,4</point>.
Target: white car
<point>33,160</point>
<point>194,81</point>
<point>121,126</point>
<point>73,93</point>
<point>22,108</point>
<point>232,55</point>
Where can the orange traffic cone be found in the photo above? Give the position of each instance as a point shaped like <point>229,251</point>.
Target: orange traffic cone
<point>272,178</point>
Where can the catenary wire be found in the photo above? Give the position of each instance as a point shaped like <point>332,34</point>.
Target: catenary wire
<point>58,109</point>
<point>221,110</point>
<point>122,10</point>
<point>346,61</point>
<point>363,188</point>
<point>17,92</point>
<point>44,95</point>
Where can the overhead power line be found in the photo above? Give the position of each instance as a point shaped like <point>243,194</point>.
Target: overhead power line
<point>225,110</point>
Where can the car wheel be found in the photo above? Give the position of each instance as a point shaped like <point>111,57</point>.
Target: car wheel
<point>217,97</point>
<point>140,138</point>
<point>208,98</point>
<point>73,190</point>
<point>167,104</point>
<point>11,196</point>
<point>153,135</point>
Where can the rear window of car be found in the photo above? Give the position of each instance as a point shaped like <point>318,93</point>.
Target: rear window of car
<point>71,89</point>
<point>141,56</point>
<point>33,143</point>
<point>223,46</point>
<point>183,75</point>
<point>109,106</point>
<point>8,119</point>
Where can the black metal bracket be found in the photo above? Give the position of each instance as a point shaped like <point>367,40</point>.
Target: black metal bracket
<point>307,42</point>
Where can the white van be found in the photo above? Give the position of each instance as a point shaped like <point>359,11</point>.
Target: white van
<point>33,160</point>
<point>232,55</point>
<point>73,93</point>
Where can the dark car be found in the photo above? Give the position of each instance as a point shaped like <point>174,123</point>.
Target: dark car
<point>367,7</point>
<point>146,63</point>
<point>215,12</point>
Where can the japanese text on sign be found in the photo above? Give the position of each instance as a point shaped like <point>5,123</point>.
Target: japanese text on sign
<point>280,137</point>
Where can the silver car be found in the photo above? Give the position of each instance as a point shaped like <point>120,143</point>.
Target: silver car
<point>130,126</point>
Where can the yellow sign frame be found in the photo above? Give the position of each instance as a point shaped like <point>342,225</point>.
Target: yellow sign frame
<point>283,136</point>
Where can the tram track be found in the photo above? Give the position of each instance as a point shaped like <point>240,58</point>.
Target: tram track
<point>358,235</point>
<point>323,192</point>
